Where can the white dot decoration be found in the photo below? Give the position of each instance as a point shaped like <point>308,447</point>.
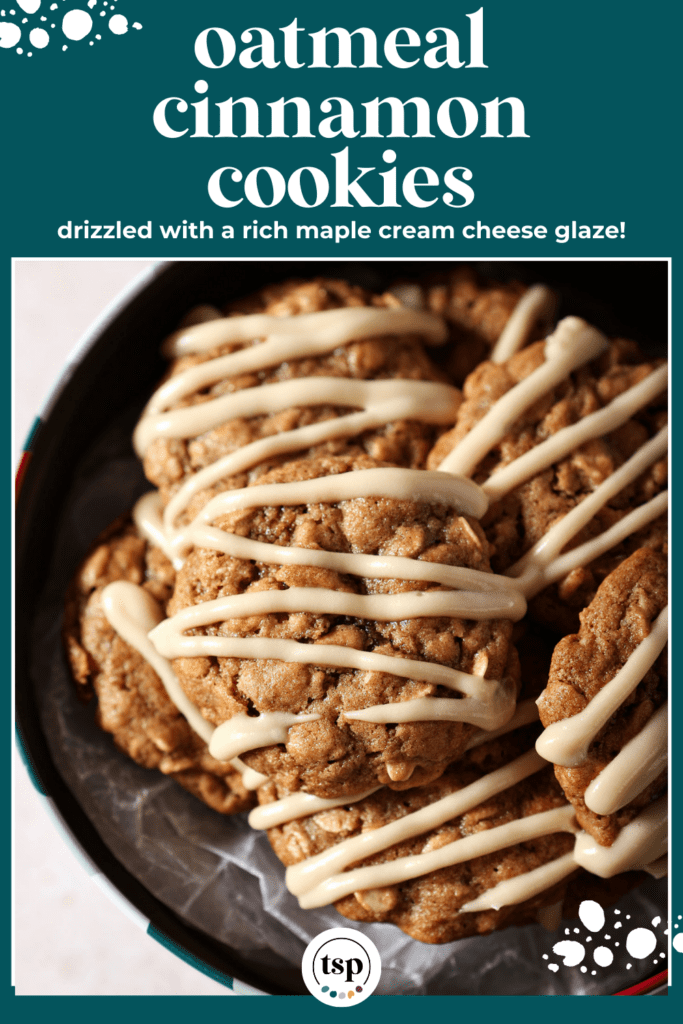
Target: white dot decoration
<point>76,24</point>
<point>10,34</point>
<point>640,943</point>
<point>571,952</point>
<point>603,956</point>
<point>118,24</point>
<point>39,38</point>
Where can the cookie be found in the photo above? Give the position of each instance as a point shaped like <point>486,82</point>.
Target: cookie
<point>345,545</point>
<point>345,575</point>
<point>612,764</point>
<point>193,450</point>
<point>486,318</point>
<point>335,752</point>
<point>566,420</point>
<point>133,704</point>
<point>488,845</point>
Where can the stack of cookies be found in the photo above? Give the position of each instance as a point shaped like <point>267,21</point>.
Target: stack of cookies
<point>338,606</point>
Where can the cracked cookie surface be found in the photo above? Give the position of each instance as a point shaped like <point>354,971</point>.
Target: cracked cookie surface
<point>429,908</point>
<point>520,519</point>
<point>335,755</point>
<point>132,702</point>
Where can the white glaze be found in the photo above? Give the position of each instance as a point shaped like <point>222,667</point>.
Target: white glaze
<point>573,343</point>
<point>658,868</point>
<point>381,401</point>
<point>566,742</point>
<point>537,575</point>
<point>564,441</point>
<point>562,351</point>
<point>639,843</point>
<point>176,645</point>
<point>242,733</point>
<point>530,571</point>
<point>537,304</point>
<point>524,886</point>
<point>299,805</point>
<point>635,767</point>
<point>560,819</point>
<point>491,711</point>
<point>132,612</point>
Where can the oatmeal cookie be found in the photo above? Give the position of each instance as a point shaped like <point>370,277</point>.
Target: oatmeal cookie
<point>615,624</point>
<point>132,702</point>
<point>521,518</point>
<point>477,310</point>
<point>336,754</point>
<point>170,461</point>
<point>318,335</point>
<point>434,906</point>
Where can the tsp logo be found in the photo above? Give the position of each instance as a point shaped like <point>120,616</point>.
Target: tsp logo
<point>341,967</point>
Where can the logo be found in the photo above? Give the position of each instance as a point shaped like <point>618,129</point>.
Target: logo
<point>341,967</point>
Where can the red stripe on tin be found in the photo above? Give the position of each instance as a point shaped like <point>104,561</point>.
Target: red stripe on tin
<point>644,986</point>
<point>21,472</point>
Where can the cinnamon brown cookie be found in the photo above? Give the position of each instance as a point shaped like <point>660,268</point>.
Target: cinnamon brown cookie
<point>171,459</point>
<point>133,704</point>
<point>477,311</point>
<point>335,753</point>
<point>343,606</point>
<point>444,861</point>
<point>312,526</point>
<point>615,625</point>
<point>521,514</point>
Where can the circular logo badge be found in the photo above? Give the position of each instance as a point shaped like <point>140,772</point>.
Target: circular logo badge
<point>341,967</point>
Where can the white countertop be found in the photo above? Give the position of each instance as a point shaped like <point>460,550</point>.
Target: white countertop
<point>69,939</point>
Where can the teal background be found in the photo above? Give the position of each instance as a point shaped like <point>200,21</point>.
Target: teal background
<point>601,85</point>
<point>594,77</point>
